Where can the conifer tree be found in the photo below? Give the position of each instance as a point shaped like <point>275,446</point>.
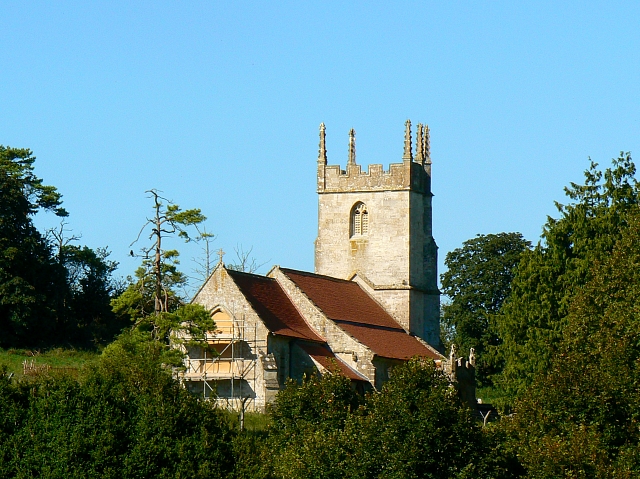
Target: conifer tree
<point>580,417</point>
<point>32,283</point>
<point>533,318</point>
<point>151,301</point>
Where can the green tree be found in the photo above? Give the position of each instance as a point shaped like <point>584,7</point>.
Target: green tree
<point>306,438</point>
<point>91,288</point>
<point>137,302</point>
<point>51,292</point>
<point>168,220</point>
<point>415,427</point>
<point>156,310</point>
<point>581,417</point>
<point>477,281</point>
<point>32,283</point>
<point>549,276</point>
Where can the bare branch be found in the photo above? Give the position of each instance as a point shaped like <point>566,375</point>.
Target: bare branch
<point>204,264</point>
<point>245,262</point>
<point>58,238</point>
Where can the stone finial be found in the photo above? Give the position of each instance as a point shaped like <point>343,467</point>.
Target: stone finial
<point>352,147</point>
<point>322,151</point>
<point>419,145</point>
<point>426,145</point>
<point>407,141</point>
<point>220,255</point>
<point>453,359</point>
<point>472,357</point>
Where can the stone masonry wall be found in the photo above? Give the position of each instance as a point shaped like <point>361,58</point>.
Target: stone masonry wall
<point>398,255</point>
<point>220,292</point>
<point>382,254</point>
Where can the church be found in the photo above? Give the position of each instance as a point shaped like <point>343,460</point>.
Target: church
<point>371,303</point>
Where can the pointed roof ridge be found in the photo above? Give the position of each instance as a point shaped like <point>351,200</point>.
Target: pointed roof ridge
<point>350,307</point>
<point>368,310</point>
<point>317,275</point>
<point>204,283</point>
<point>272,305</point>
<point>246,273</point>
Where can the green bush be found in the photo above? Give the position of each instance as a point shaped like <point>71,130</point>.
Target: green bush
<point>123,417</point>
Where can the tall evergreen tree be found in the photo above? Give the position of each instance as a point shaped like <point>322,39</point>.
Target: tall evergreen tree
<point>532,320</point>
<point>151,302</point>
<point>32,283</point>
<point>581,417</point>
<point>47,296</point>
<point>91,288</point>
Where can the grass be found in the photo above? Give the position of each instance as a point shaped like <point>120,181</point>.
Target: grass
<point>493,396</point>
<point>253,421</point>
<point>57,358</point>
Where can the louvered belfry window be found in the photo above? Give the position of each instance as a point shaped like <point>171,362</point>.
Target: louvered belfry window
<point>359,220</point>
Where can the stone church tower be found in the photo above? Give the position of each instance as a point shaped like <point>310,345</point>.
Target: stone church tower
<point>375,227</point>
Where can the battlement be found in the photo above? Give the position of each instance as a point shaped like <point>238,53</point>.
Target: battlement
<point>414,173</point>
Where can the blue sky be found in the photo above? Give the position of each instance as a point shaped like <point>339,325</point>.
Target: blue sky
<point>218,104</point>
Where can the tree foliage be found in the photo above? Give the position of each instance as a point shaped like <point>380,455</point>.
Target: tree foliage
<point>151,303</point>
<point>46,297</point>
<point>581,418</point>
<point>124,417</point>
<point>533,318</point>
<point>477,281</point>
<point>160,263</point>
<point>415,427</point>
<point>29,276</point>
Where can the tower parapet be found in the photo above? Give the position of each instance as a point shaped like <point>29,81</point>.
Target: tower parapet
<point>408,175</point>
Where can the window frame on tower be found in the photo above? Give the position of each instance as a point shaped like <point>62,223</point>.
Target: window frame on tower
<point>359,220</point>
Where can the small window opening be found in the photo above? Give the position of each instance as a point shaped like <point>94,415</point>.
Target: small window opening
<point>359,220</point>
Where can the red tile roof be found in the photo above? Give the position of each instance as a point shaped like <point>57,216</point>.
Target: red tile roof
<point>359,315</point>
<point>388,343</point>
<point>271,303</point>
<point>325,357</point>
<point>341,299</point>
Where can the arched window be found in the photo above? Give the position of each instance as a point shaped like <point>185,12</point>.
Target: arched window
<point>359,220</point>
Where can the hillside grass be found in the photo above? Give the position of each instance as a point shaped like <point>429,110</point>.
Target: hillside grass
<point>58,358</point>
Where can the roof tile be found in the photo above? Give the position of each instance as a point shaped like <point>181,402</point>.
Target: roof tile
<point>358,314</point>
<point>273,306</point>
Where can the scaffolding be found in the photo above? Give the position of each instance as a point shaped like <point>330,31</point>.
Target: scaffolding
<point>230,375</point>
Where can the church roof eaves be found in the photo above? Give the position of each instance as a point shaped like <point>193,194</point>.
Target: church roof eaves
<point>325,357</point>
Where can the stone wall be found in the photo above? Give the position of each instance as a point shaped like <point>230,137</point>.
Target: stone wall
<point>382,254</point>
<point>221,293</point>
